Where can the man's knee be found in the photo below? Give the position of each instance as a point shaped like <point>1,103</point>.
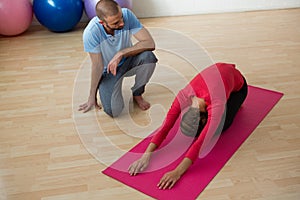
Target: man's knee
<point>113,112</point>
<point>148,57</point>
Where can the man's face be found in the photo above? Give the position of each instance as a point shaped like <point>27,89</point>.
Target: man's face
<point>115,22</point>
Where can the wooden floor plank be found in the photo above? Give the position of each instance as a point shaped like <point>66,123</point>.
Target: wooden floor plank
<point>43,157</point>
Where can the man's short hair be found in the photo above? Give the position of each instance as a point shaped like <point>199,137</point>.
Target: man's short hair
<point>105,8</point>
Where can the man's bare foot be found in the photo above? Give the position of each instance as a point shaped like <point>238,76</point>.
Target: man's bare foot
<point>144,105</point>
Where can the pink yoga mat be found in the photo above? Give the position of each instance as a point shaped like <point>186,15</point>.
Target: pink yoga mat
<point>257,105</point>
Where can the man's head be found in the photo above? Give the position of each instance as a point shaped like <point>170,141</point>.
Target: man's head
<point>110,14</point>
<point>192,122</point>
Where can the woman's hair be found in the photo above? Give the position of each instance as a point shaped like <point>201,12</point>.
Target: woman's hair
<point>105,8</point>
<point>202,122</point>
<point>193,122</point>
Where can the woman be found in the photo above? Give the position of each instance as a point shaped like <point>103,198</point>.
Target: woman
<point>211,99</point>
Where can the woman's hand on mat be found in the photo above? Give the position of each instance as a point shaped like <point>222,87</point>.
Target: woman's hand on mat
<point>139,165</point>
<point>169,180</point>
<point>88,105</point>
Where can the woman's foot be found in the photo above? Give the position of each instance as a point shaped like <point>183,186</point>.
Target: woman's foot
<point>144,105</point>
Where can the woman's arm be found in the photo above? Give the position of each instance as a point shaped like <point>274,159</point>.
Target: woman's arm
<point>171,177</point>
<point>180,102</point>
<point>142,163</point>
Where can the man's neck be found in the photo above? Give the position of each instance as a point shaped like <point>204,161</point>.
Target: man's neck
<point>108,30</point>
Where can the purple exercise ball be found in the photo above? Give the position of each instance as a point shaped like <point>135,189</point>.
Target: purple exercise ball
<point>125,3</point>
<point>89,6</point>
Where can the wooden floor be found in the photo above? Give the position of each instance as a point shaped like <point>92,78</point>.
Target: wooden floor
<point>43,150</point>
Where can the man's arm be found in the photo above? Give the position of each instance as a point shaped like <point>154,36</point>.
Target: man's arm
<point>97,69</point>
<point>144,42</point>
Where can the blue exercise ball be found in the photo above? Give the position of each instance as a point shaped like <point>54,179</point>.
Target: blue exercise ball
<point>58,15</point>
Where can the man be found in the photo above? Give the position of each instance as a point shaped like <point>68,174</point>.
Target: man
<point>107,39</point>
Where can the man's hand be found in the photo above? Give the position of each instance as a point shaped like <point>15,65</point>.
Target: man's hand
<point>113,64</point>
<point>169,180</point>
<point>139,165</point>
<point>88,105</point>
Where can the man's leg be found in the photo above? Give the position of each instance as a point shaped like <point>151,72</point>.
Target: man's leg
<point>142,66</point>
<point>143,75</point>
<point>111,95</point>
<point>110,88</point>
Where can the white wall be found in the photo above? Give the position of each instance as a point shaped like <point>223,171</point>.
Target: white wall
<point>156,8</point>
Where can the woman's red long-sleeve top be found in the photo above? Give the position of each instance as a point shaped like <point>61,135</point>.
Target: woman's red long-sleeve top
<point>214,84</point>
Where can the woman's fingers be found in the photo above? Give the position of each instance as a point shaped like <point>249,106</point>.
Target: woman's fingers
<point>167,181</point>
<point>172,184</point>
<point>134,168</point>
<point>138,166</point>
<point>164,184</point>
